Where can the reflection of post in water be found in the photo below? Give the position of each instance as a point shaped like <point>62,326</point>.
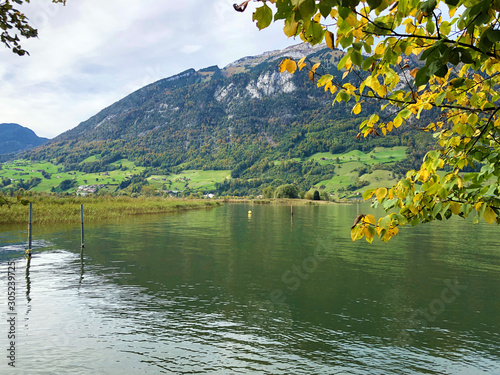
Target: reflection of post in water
<point>28,281</point>
<point>81,266</point>
<point>30,226</point>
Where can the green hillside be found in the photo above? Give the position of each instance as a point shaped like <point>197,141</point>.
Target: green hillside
<point>230,131</point>
<point>352,171</point>
<point>190,179</point>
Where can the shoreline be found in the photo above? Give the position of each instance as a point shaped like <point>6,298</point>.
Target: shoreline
<point>284,201</point>
<point>54,210</point>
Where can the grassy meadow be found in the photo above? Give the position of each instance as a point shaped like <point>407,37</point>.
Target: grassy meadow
<point>26,170</point>
<point>347,173</point>
<point>194,179</point>
<point>347,167</point>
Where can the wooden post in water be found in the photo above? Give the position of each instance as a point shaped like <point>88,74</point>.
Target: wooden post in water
<point>30,231</point>
<point>81,215</point>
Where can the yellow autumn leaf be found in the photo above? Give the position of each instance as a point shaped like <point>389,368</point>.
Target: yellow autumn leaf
<point>354,233</point>
<point>291,66</point>
<point>397,122</point>
<point>489,215</point>
<point>380,49</point>
<point>301,63</point>
<point>357,109</point>
<point>358,33</point>
<point>311,75</point>
<point>357,232</point>
<point>282,67</point>
<point>455,208</point>
<point>369,234</point>
<point>290,28</point>
<point>370,219</point>
<point>382,91</point>
<point>329,39</point>
<point>381,193</point>
<point>288,65</point>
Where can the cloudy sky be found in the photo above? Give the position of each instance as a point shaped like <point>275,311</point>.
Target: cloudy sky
<point>92,53</point>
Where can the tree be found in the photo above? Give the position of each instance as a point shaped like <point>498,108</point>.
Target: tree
<point>268,192</point>
<point>287,191</point>
<point>13,21</point>
<point>66,185</point>
<point>324,196</point>
<point>316,196</point>
<point>413,56</point>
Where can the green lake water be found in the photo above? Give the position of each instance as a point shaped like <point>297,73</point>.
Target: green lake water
<point>221,292</point>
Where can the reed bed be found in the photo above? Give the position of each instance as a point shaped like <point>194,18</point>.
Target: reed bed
<point>53,209</point>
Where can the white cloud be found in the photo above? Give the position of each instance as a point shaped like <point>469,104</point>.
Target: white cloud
<point>92,53</point>
<point>190,48</point>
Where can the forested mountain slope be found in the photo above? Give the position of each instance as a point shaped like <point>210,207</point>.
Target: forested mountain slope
<point>242,116</point>
<point>15,138</point>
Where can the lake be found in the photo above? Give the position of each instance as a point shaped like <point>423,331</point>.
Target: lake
<point>223,292</point>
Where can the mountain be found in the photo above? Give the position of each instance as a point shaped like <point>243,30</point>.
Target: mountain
<point>15,138</point>
<point>242,118</point>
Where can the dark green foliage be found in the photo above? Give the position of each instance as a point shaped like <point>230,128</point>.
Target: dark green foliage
<point>287,191</point>
<point>268,192</point>
<point>4,182</point>
<point>324,196</point>
<point>357,184</point>
<point>362,170</point>
<point>124,184</point>
<point>26,185</point>
<point>66,185</point>
<point>316,196</point>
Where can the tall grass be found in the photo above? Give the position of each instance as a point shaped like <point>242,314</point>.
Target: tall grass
<point>53,209</point>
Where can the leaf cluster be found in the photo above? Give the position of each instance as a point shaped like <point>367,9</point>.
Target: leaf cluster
<point>456,47</point>
<point>12,22</point>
